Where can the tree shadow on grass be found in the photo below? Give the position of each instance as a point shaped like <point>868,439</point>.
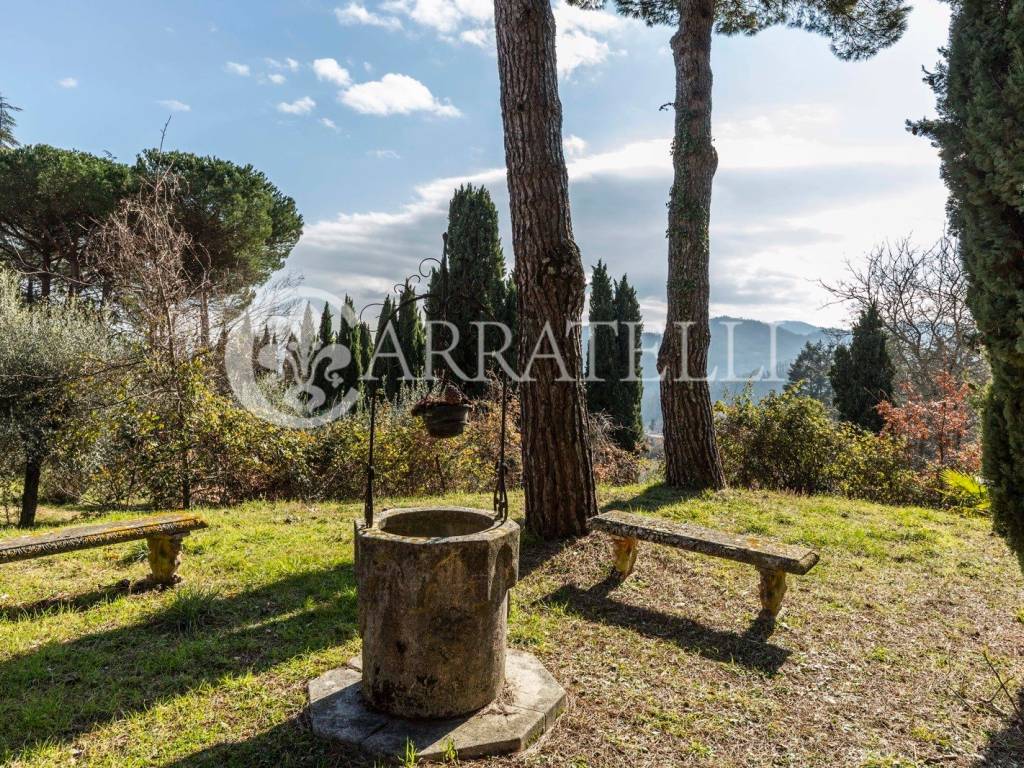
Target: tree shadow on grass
<point>289,745</point>
<point>652,498</point>
<point>748,649</point>
<point>75,603</point>
<point>1005,748</point>
<point>63,689</point>
<point>535,552</point>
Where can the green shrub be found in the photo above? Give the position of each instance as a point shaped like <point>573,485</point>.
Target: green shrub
<point>784,442</point>
<point>789,442</point>
<point>234,456</point>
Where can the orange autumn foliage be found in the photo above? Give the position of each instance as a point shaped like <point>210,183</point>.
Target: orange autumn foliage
<point>940,430</point>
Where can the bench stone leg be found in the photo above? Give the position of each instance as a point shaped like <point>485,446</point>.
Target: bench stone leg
<point>164,558</point>
<point>625,555</point>
<point>772,590</point>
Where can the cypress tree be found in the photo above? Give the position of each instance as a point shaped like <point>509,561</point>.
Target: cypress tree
<point>629,432</point>
<point>602,358</point>
<point>386,368</point>
<point>326,330</point>
<point>411,333</point>
<point>325,337</point>
<point>862,374</point>
<point>349,336</point>
<point>365,345</point>
<point>476,279</point>
<point>258,345</point>
<point>510,317</point>
<point>980,98</point>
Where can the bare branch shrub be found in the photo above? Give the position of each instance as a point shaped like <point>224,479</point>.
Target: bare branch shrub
<point>921,295</point>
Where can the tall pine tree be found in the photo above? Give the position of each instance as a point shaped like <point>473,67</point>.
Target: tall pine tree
<point>629,422</point>
<point>857,29</point>
<point>558,464</point>
<point>862,374</point>
<point>980,136</point>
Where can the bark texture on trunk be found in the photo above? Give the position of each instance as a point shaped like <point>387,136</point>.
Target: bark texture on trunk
<point>692,460</point>
<point>30,494</point>
<point>558,475</point>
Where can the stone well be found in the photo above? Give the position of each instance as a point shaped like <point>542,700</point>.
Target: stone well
<point>433,593</point>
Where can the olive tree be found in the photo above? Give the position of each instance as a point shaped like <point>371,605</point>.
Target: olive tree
<point>55,361</point>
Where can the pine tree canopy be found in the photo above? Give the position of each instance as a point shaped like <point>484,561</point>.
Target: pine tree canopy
<point>246,226</point>
<point>856,29</point>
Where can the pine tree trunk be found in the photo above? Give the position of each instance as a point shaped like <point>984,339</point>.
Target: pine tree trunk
<point>558,476</point>
<point>30,493</point>
<point>692,460</point>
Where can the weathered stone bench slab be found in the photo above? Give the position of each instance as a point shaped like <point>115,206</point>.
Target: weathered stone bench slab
<point>772,559</point>
<point>164,534</point>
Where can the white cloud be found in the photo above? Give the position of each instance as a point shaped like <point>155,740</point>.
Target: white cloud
<point>289,64</point>
<point>581,34</point>
<point>569,17</point>
<point>326,122</point>
<point>332,72</point>
<point>574,145</point>
<point>174,105</point>
<point>68,82</point>
<point>234,68</point>
<point>482,38</point>
<point>302,106</point>
<point>384,154</point>
<point>444,16</point>
<point>276,78</point>
<point>395,94</point>
<point>578,49</point>
<point>355,13</point>
<point>781,215</point>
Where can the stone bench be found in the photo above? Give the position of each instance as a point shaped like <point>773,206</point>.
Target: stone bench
<point>772,559</point>
<point>163,533</point>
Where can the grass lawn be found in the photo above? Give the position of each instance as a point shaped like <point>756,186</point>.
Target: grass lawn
<point>879,658</point>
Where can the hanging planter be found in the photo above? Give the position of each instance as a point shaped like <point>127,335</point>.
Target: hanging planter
<point>445,415</point>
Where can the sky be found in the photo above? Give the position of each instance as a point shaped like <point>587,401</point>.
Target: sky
<point>370,114</point>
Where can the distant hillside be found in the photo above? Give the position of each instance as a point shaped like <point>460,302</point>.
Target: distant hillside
<point>752,353</point>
